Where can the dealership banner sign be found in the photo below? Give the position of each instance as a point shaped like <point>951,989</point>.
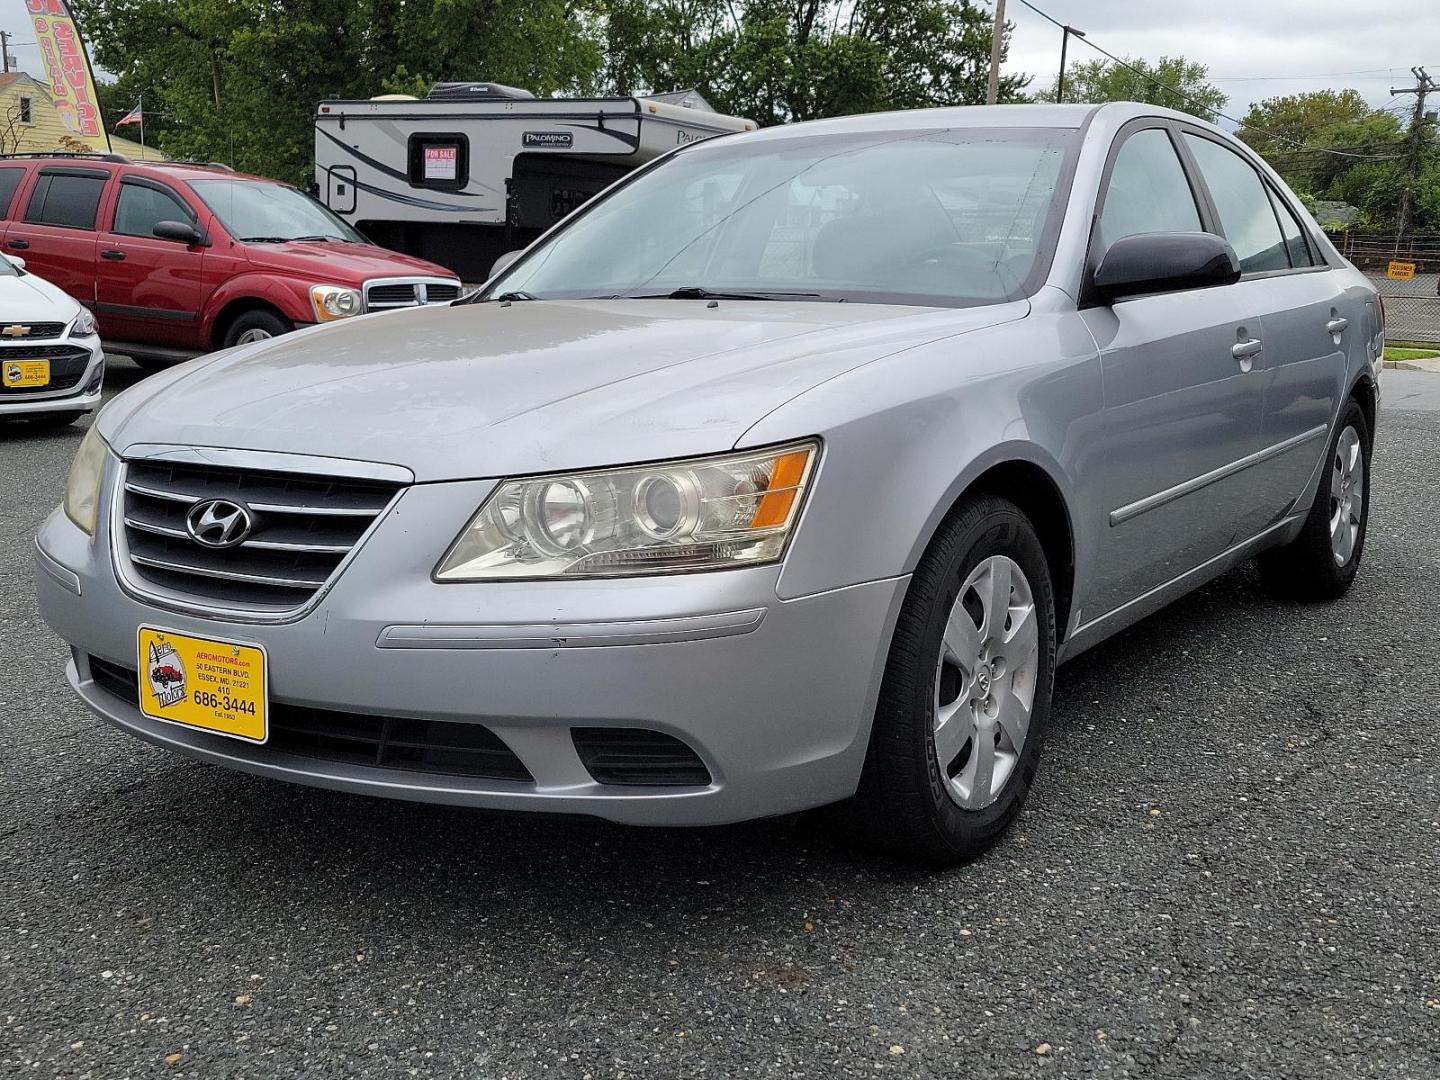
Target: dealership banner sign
<point>72,82</point>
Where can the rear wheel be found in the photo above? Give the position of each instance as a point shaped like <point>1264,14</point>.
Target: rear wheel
<point>257,325</point>
<point>966,697</point>
<point>1320,564</point>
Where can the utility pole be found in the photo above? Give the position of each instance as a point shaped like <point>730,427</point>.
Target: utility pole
<point>5,48</point>
<point>997,45</point>
<point>1065,32</point>
<point>1415,154</point>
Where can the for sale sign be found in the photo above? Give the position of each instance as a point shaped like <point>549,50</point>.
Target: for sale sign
<point>1400,271</point>
<point>442,162</point>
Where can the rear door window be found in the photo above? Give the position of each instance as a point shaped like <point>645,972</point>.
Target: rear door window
<point>142,206</point>
<point>1147,191</point>
<point>10,180</point>
<point>66,199</point>
<point>1243,204</point>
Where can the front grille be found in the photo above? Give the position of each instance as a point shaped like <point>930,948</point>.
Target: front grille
<point>303,528</point>
<point>383,295</point>
<point>442,747</point>
<point>634,756</point>
<point>67,367</point>
<point>32,331</point>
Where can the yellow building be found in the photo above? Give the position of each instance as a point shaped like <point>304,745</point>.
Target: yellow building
<point>30,124</point>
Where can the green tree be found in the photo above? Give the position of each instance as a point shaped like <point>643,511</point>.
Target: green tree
<point>238,80</point>
<point>784,60</point>
<point>1293,132</point>
<point>1173,81</point>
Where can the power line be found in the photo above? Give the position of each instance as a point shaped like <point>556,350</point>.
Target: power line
<point>1313,75</point>
<point>1190,100</point>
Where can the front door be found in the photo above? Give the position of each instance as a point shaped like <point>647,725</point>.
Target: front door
<point>1183,394</point>
<point>148,290</point>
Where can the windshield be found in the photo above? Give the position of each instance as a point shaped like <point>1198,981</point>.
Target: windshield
<point>8,269</point>
<point>269,213</point>
<point>931,217</point>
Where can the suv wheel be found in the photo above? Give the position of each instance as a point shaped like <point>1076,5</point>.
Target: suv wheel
<point>966,696</point>
<point>255,326</point>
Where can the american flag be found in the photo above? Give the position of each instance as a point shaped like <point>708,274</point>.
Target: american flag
<point>134,116</point>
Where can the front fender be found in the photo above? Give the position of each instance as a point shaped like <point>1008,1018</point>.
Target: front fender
<point>291,296</point>
<point>905,437</point>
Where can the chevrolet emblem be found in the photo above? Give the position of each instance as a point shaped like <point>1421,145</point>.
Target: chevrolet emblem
<point>16,331</point>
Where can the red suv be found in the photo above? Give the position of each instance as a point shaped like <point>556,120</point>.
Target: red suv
<point>178,259</point>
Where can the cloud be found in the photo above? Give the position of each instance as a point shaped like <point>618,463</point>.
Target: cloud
<point>1254,49</point>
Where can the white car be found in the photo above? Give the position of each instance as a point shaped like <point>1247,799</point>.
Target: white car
<point>51,363</point>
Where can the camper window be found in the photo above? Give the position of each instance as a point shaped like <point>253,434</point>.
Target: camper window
<point>439,161</point>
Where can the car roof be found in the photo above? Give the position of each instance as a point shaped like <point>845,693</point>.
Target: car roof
<point>180,170</point>
<point>967,116</point>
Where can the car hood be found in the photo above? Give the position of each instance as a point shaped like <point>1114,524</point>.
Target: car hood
<point>33,299</point>
<point>485,390</point>
<point>338,263</point>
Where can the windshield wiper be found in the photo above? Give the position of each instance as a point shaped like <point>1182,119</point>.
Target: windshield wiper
<point>264,239</point>
<point>514,294</point>
<point>699,292</point>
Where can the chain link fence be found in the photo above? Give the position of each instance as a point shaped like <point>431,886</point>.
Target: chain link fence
<point>1412,305</point>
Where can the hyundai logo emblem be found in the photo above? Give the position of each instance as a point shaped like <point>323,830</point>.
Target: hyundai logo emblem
<point>219,523</point>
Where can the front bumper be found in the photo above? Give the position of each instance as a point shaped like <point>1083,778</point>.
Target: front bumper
<point>83,397</point>
<point>774,696</point>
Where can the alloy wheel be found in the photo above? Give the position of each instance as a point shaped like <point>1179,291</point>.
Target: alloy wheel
<point>252,335</point>
<point>1347,495</point>
<point>985,682</point>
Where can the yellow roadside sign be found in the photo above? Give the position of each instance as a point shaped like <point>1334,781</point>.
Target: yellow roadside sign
<point>1400,271</point>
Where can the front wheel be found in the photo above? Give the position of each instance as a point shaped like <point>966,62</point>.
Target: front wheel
<point>258,325</point>
<point>1320,564</point>
<point>966,695</point>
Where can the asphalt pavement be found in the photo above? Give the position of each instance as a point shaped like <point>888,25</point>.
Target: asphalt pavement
<point>1228,868</point>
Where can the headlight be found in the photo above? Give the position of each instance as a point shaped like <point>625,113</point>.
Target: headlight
<point>82,486</point>
<point>707,514</point>
<point>84,323</point>
<point>333,302</point>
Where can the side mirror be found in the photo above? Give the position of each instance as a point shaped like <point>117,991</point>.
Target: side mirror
<point>505,261</point>
<point>1163,262</point>
<point>180,231</point>
<point>16,261</point>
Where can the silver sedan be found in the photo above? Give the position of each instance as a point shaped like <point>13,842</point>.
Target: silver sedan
<point>783,475</point>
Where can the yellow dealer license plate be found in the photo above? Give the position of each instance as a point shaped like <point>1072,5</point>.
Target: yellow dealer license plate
<point>25,372</point>
<point>216,686</point>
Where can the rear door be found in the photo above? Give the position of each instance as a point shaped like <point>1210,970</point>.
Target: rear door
<point>12,178</point>
<point>55,233</point>
<point>1306,319</point>
<point>149,290</point>
<point>1182,409</point>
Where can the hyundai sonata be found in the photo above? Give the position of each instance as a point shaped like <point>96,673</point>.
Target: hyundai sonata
<point>782,475</point>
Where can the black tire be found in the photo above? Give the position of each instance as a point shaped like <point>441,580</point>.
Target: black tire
<point>260,320</point>
<point>55,419</point>
<point>902,806</point>
<point>1307,569</point>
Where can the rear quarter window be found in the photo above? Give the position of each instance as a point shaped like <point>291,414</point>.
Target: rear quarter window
<point>10,181</point>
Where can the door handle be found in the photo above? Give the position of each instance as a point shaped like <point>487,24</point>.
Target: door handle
<point>113,256</point>
<point>1337,326</point>
<point>1243,350</point>
<point>19,245</point>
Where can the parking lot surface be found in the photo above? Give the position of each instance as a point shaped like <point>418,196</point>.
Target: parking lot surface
<point>1228,868</point>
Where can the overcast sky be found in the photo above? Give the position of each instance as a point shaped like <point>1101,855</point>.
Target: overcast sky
<point>1254,48</point>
